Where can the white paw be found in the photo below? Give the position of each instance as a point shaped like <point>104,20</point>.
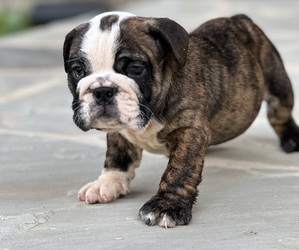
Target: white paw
<point>110,185</point>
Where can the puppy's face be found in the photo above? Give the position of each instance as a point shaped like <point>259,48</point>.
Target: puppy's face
<point>116,64</point>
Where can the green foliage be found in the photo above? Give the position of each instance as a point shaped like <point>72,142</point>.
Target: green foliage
<point>12,21</point>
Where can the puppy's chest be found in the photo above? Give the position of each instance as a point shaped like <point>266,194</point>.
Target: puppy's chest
<point>147,138</point>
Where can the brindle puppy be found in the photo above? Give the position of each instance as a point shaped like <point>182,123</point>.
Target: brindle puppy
<point>152,86</point>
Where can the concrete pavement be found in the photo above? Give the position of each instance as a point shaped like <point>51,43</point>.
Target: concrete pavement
<point>249,197</point>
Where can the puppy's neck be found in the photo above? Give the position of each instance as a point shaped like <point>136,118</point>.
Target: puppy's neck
<point>146,138</point>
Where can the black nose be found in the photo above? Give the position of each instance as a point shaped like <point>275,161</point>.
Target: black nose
<point>104,95</point>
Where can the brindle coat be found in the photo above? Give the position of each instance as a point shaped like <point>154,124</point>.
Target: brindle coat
<point>206,88</point>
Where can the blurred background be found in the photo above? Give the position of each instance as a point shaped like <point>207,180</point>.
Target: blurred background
<point>16,15</point>
<point>45,158</point>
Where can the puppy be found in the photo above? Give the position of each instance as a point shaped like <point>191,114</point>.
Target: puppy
<point>154,87</point>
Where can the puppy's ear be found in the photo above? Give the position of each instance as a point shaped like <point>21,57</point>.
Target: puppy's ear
<point>172,37</point>
<point>73,39</point>
<point>67,44</point>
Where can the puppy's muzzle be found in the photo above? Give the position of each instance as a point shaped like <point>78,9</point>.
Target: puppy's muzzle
<point>104,95</point>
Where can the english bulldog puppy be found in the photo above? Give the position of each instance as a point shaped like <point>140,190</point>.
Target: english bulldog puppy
<point>152,86</point>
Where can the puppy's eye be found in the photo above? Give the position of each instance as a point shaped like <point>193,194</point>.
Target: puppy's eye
<point>132,68</point>
<point>78,72</point>
<point>135,70</point>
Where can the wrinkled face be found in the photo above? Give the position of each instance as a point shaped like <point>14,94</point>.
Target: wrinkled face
<point>115,67</point>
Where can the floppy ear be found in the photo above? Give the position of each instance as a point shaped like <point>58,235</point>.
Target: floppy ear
<point>172,37</point>
<point>67,45</point>
<point>73,38</point>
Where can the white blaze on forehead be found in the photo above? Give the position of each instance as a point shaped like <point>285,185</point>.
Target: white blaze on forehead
<point>100,46</point>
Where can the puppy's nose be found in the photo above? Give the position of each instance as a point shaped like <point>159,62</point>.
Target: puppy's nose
<point>104,95</point>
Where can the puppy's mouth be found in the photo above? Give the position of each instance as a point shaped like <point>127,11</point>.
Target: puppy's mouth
<point>110,117</point>
<point>108,123</point>
<point>109,102</point>
<point>94,116</point>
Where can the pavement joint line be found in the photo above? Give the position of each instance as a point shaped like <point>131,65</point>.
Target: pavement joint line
<point>269,175</point>
<point>28,91</point>
<point>90,140</point>
<point>32,46</point>
<point>30,71</point>
<point>247,165</point>
<point>211,162</point>
<point>87,140</point>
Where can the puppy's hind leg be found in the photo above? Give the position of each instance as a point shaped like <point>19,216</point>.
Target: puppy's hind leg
<point>280,98</point>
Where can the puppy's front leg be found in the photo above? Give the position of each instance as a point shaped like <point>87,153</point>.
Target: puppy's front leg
<point>122,158</point>
<point>177,192</point>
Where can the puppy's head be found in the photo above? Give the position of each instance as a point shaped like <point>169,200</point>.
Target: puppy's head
<point>120,68</point>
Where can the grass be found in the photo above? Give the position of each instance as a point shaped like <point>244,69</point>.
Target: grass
<point>12,21</point>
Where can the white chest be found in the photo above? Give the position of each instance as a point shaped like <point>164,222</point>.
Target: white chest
<point>147,138</point>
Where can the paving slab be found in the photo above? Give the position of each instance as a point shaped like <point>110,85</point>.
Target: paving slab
<point>249,196</point>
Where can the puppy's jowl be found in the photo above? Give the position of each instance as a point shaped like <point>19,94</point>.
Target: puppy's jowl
<point>152,86</point>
